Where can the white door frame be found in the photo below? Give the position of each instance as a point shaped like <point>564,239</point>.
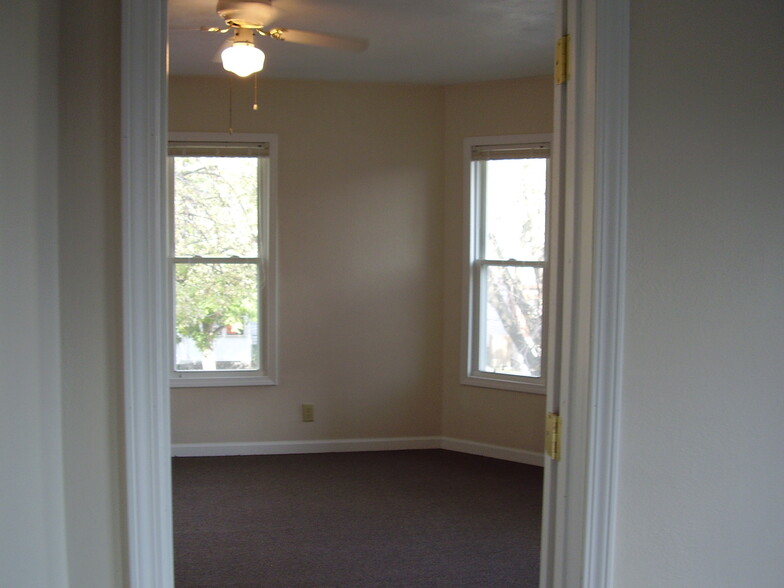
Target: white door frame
<point>585,376</point>
<point>147,428</point>
<point>580,489</point>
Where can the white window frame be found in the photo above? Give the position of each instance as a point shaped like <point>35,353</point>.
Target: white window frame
<point>472,296</point>
<point>267,374</point>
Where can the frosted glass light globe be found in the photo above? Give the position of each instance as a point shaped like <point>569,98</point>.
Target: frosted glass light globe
<point>242,59</point>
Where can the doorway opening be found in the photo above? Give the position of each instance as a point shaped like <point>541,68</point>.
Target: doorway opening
<point>147,403</point>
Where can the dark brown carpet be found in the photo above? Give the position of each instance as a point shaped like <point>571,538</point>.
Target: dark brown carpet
<point>402,519</point>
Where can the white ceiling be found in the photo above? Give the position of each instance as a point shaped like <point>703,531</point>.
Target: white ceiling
<point>419,41</point>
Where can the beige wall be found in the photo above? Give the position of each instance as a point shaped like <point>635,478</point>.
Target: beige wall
<point>61,491</point>
<point>363,220</point>
<point>509,419</point>
<point>32,509</point>
<point>360,238</point>
<point>91,292</point>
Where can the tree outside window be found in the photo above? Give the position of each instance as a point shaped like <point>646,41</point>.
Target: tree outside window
<point>216,248</point>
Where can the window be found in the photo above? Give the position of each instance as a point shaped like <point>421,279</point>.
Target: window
<point>506,263</point>
<point>221,259</point>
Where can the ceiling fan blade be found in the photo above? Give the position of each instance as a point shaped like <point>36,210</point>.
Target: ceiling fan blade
<point>199,29</point>
<point>354,44</point>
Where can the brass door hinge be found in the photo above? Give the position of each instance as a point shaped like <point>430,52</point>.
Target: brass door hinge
<point>562,59</point>
<point>552,436</point>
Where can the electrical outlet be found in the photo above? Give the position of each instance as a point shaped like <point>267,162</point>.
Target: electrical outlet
<point>307,413</point>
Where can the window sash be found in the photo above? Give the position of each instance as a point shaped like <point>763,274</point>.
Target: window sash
<point>217,149</point>
<point>479,359</point>
<point>479,205</point>
<point>239,352</point>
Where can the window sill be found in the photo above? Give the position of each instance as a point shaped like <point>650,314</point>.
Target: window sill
<point>528,385</point>
<point>219,380</point>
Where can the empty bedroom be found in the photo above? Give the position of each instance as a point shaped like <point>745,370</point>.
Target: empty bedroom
<point>358,242</point>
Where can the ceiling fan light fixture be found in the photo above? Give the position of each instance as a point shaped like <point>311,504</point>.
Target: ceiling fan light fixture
<point>242,57</point>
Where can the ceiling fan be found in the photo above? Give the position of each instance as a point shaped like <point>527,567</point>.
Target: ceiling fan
<point>247,18</point>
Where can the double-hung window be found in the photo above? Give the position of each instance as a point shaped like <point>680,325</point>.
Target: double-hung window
<point>222,259</point>
<point>506,268</point>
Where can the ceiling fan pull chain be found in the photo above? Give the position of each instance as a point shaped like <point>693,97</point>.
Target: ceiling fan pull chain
<point>231,105</point>
<point>256,91</point>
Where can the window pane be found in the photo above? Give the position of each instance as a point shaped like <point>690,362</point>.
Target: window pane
<point>216,316</point>
<point>512,328</point>
<point>216,206</point>
<point>515,209</point>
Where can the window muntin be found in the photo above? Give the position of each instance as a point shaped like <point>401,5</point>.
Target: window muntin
<point>507,263</point>
<point>221,263</point>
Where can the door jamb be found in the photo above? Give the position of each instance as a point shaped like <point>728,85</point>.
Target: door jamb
<point>580,489</point>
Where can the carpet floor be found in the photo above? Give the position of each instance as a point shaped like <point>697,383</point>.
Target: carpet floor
<point>391,519</point>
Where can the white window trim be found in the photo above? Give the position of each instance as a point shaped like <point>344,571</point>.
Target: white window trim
<point>269,304</point>
<point>468,375</point>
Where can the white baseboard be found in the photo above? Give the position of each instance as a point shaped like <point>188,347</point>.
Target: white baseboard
<point>495,451</point>
<point>344,445</point>
<point>318,446</point>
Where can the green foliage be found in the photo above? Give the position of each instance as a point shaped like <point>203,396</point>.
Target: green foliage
<point>216,206</point>
<point>215,216</point>
<point>210,297</point>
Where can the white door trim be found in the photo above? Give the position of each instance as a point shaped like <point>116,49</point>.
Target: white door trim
<point>580,491</point>
<point>147,435</point>
<point>612,116</point>
<point>580,526</point>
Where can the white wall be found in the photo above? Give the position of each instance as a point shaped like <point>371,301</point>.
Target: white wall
<point>701,499</point>
<point>32,512</point>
